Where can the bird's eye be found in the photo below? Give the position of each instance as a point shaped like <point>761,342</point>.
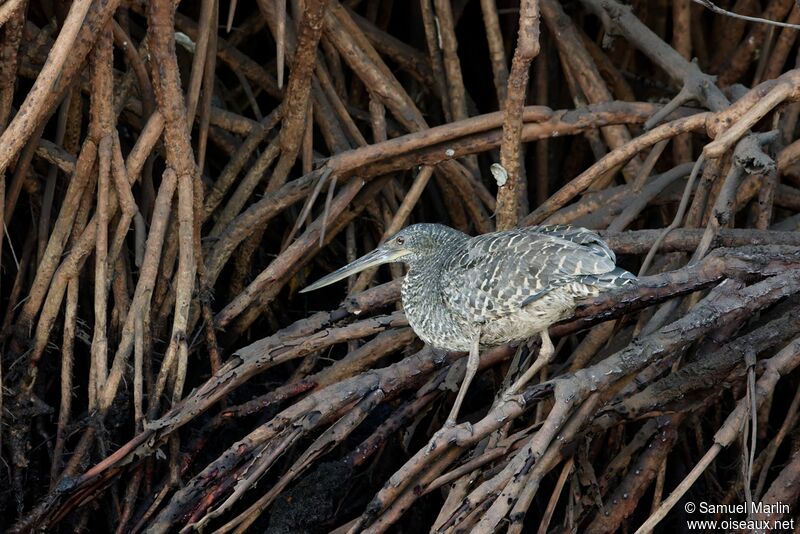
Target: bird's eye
<point>400,240</point>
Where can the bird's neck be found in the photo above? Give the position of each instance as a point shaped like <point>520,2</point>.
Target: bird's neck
<point>422,299</point>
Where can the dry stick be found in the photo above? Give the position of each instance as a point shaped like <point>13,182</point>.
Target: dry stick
<point>181,159</point>
<point>417,140</point>
<point>217,192</point>
<point>676,221</point>
<point>313,411</point>
<point>457,94</point>
<point>392,514</point>
<point>67,360</point>
<point>679,68</point>
<point>201,50</point>
<point>263,286</point>
<point>288,264</point>
<point>140,301</point>
<point>711,174</point>
<point>519,466</point>
<point>501,449</point>
<point>305,211</point>
<point>50,185</point>
<point>20,174</point>
<point>68,211</point>
<point>434,53</point>
<point>542,86</point>
<point>144,286</point>
<point>422,484</point>
<point>245,189</point>
<point>25,264</point>
<point>637,480</point>
<point>10,9</point>
<point>280,38</point>
<point>782,47</point>
<point>298,91</point>
<point>646,194</point>
<point>205,289</point>
<point>207,95</point>
<point>67,270</point>
<point>784,88</point>
<point>611,161</point>
<point>370,68</point>
<point>99,366</point>
<point>103,118</point>
<point>766,200</point>
<point>772,449</point>
<point>185,280</point>
<point>716,9</point>
<point>748,157</point>
<point>574,53</point>
<point>296,106</point>
<point>12,37</point>
<point>32,111</point>
<point>741,59</point>
<point>512,195</point>
<point>127,203</point>
<point>342,113</point>
<point>398,220</point>
<point>58,237</point>
<point>551,504</point>
<point>123,41</point>
<point>447,42</point>
<point>332,437</point>
<point>781,491</point>
<point>726,35</point>
<point>682,42</point>
<point>497,51</point>
<point>618,84</point>
<point>782,363</point>
<point>396,154</point>
<point>357,361</point>
<point>233,57</point>
<point>649,163</point>
<point>580,102</point>
<point>266,457</point>
<point>302,338</point>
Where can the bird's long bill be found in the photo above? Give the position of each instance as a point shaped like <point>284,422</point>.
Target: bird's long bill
<point>379,256</point>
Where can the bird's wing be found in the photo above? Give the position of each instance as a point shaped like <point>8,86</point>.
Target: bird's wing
<point>580,236</point>
<point>492,276</point>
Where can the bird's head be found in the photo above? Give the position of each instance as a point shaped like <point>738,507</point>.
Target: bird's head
<point>411,244</point>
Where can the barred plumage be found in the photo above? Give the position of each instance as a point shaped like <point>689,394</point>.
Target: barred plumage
<point>463,293</point>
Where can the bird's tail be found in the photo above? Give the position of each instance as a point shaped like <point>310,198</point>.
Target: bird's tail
<point>617,277</point>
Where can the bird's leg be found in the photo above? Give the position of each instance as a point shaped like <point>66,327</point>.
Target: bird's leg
<point>544,357</point>
<point>473,361</point>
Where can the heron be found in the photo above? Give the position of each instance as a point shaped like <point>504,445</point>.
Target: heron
<point>466,294</point>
